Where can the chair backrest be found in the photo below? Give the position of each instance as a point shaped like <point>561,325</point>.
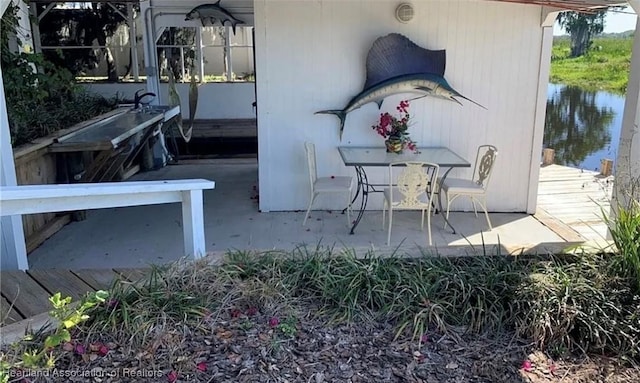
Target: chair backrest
<point>310,148</point>
<point>485,159</point>
<point>412,182</point>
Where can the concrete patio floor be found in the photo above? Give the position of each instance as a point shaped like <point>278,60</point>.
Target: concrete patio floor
<point>143,235</point>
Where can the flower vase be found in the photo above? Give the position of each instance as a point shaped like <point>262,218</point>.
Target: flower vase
<point>394,146</point>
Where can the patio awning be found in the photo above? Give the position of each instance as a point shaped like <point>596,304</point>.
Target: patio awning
<point>573,5</point>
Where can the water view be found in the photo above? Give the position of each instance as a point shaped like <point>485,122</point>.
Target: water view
<point>583,127</point>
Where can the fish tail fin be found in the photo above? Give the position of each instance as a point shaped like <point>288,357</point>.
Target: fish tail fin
<point>341,114</point>
<point>234,23</point>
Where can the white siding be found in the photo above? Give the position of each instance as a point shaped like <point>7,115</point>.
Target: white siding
<point>311,56</point>
<point>216,100</point>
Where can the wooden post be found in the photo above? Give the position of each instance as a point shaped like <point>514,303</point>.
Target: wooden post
<point>606,167</point>
<point>13,251</point>
<point>548,156</point>
<point>193,223</point>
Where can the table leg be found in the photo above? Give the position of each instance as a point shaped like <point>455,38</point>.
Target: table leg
<point>363,185</point>
<point>444,176</point>
<point>355,197</point>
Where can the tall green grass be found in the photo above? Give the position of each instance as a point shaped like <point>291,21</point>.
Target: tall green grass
<point>625,232</point>
<point>605,67</point>
<point>573,303</point>
<point>565,303</point>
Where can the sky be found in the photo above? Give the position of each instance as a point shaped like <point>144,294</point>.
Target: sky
<point>615,22</point>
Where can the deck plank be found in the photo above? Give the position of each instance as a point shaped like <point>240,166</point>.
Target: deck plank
<point>27,296</point>
<point>98,279</point>
<point>7,313</point>
<point>565,231</point>
<point>63,281</point>
<point>574,199</point>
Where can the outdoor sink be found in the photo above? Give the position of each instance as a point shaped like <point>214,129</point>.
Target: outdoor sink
<point>168,111</point>
<point>109,132</point>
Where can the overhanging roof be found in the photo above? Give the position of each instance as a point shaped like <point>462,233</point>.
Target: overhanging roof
<point>573,5</point>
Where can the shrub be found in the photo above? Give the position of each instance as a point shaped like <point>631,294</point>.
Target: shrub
<point>625,231</point>
<point>45,100</point>
<point>573,303</point>
<point>579,304</point>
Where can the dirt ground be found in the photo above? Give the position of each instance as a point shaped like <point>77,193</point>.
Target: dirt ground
<point>249,346</point>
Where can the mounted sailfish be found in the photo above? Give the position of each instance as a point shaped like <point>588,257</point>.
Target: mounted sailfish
<point>396,65</point>
<point>213,13</point>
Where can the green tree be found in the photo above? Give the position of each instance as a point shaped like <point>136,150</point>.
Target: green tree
<point>83,25</point>
<point>169,58</point>
<point>575,126</point>
<point>581,27</point>
<point>44,100</point>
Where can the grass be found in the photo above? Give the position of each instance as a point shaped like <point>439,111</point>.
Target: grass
<point>573,303</point>
<point>605,67</point>
<point>561,304</point>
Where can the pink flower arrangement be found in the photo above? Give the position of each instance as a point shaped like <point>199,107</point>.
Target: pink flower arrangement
<point>394,129</point>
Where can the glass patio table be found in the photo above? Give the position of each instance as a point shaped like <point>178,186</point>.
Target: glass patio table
<point>363,157</point>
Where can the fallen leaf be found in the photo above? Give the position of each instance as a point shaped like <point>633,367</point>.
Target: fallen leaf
<point>264,337</point>
<point>224,335</point>
<point>234,358</point>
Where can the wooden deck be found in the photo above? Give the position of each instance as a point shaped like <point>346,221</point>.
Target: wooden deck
<point>26,294</point>
<point>573,202</point>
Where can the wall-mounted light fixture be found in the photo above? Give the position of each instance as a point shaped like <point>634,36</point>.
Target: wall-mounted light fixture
<point>404,12</point>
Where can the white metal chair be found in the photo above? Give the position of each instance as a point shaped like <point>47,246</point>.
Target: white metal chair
<point>333,184</point>
<point>413,190</point>
<point>476,187</point>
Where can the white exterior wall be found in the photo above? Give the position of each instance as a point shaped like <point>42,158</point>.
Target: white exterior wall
<point>215,100</point>
<point>310,55</point>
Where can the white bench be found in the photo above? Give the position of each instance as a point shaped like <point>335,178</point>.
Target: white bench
<point>30,199</point>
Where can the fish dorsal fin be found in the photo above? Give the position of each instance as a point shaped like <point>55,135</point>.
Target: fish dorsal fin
<point>395,55</point>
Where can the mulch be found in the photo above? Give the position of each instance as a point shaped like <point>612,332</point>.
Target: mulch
<point>251,346</point>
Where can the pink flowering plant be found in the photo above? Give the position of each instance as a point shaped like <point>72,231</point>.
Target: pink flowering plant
<point>395,129</point>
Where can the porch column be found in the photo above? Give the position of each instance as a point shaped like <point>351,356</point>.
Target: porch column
<point>199,55</point>
<point>150,50</point>
<point>13,250</point>
<point>133,42</point>
<point>24,28</point>
<point>548,18</point>
<point>628,162</point>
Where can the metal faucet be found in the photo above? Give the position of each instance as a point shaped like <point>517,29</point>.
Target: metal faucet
<point>137,98</point>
